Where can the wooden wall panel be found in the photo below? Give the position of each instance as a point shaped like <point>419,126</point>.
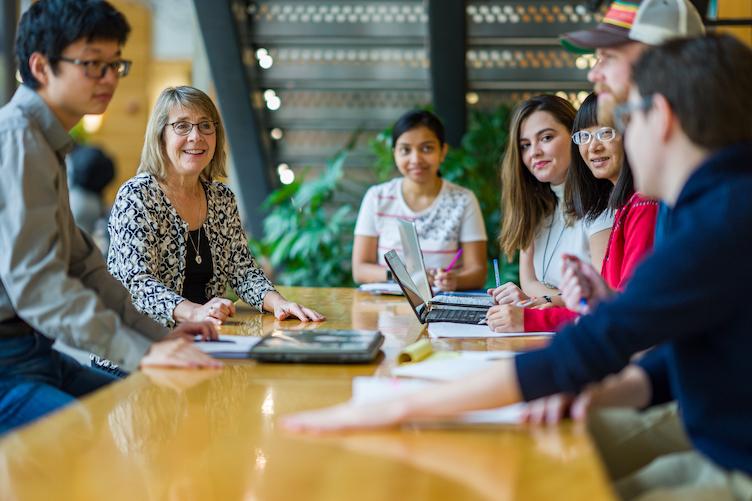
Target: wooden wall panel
<point>737,9</point>
<point>124,122</point>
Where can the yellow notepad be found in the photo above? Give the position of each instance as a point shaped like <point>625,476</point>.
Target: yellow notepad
<point>422,350</point>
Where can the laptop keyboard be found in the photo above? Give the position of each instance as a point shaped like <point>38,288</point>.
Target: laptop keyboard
<point>458,316</point>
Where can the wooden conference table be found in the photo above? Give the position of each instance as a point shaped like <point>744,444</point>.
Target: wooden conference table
<point>185,435</point>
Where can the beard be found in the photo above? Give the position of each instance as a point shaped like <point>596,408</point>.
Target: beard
<point>608,100</point>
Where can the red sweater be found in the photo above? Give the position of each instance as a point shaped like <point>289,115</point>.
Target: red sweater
<point>630,241</point>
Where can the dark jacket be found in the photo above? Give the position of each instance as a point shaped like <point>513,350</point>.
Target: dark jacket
<point>690,299</point>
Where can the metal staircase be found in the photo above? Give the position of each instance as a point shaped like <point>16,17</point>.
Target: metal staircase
<point>320,69</point>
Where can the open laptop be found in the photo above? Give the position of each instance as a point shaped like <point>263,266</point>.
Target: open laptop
<point>427,311</point>
<point>416,268</point>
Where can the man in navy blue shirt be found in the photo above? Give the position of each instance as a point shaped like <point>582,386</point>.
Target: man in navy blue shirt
<point>688,129</point>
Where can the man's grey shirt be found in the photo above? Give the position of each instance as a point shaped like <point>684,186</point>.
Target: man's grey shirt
<point>52,275</point>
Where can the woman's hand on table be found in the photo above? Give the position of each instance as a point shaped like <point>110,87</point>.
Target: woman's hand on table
<point>505,318</point>
<point>286,309</point>
<point>216,311</point>
<point>508,293</point>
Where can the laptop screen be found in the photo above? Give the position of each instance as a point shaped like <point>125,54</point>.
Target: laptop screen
<point>406,283</point>
<point>414,258</point>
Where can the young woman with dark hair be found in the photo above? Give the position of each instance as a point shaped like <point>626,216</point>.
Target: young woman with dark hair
<point>634,221</point>
<point>447,216</point>
<point>599,181</point>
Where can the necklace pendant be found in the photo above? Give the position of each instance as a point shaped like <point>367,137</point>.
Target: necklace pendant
<point>198,259</point>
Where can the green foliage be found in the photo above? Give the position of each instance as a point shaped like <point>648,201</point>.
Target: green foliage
<point>306,238</point>
<point>474,165</point>
<point>381,146</point>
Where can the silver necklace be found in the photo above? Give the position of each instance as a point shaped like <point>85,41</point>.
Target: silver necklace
<point>196,247</point>
<point>547,264</point>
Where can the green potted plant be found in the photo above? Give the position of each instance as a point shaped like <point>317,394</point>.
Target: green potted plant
<point>307,239</point>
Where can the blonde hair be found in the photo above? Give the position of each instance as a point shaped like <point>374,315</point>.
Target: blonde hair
<point>154,155</point>
<point>525,201</point>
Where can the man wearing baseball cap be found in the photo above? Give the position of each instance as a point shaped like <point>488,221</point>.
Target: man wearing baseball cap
<point>627,29</point>
<point>626,439</point>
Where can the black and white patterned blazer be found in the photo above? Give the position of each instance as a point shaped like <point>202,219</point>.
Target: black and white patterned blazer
<point>148,248</point>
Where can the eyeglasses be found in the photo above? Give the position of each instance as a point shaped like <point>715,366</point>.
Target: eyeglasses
<point>98,69</point>
<point>184,128</point>
<point>623,113</point>
<point>604,135</point>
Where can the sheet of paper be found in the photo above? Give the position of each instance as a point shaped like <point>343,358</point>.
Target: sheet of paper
<point>389,288</point>
<point>371,390</point>
<point>447,329</point>
<point>450,365</point>
<point>229,346</point>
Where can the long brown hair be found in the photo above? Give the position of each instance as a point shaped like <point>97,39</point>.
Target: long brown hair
<point>525,201</point>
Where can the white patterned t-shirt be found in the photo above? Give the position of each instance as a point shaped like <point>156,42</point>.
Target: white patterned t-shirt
<point>454,217</point>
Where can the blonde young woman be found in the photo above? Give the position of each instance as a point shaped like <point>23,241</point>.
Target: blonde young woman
<point>533,173</point>
<point>176,236</point>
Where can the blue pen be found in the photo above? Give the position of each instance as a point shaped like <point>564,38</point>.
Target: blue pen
<point>496,272</point>
<point>583,305</point>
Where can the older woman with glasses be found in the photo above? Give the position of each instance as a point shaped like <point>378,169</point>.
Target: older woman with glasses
<point>176,236</point>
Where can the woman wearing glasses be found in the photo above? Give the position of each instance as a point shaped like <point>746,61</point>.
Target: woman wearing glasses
<point>602,158</point>
<point>533,175</point>
<point>599,181</point>
<point>176,236</point>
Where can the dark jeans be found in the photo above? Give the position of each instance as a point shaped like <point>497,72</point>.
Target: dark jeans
<point>36,380</point>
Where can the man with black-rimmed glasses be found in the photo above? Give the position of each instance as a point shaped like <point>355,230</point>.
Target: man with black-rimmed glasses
<point>53,281</point>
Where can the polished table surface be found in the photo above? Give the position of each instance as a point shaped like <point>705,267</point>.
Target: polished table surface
<point>184,435</point>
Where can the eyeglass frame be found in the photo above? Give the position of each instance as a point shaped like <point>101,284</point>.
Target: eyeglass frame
<point>173,124</point>
<point>623,112</point>
<point>595,135</point>
<point>115,66</point>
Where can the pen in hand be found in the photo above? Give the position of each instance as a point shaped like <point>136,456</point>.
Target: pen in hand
<point>454,260</point>
<point>440,276</point>
<point>496,272</point>
<point>572,264</point>
<point>583,306</point>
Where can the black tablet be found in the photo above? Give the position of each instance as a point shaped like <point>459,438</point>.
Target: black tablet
<point>326,346</point>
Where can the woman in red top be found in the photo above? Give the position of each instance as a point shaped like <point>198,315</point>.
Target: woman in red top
<point>599,179</point>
